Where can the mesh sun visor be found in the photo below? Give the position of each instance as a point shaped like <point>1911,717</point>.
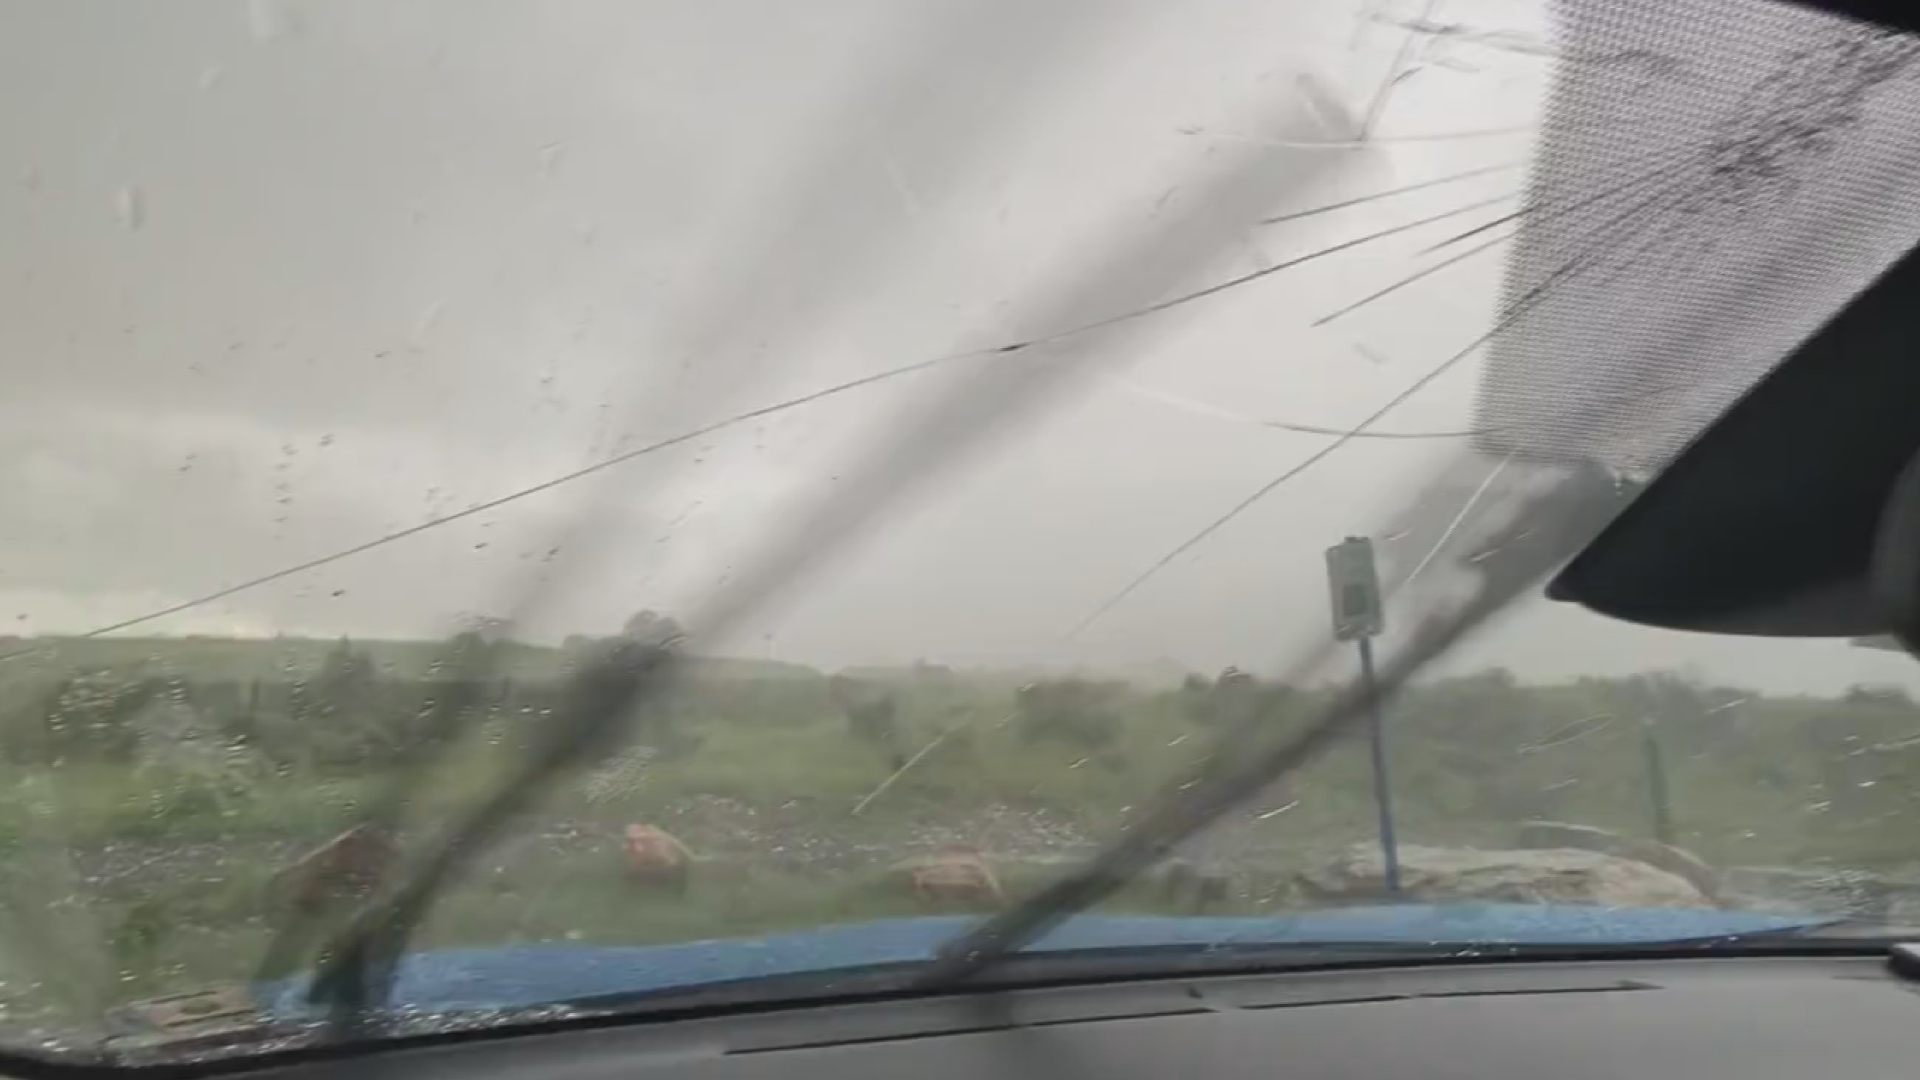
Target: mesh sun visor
<point>1714,180</point>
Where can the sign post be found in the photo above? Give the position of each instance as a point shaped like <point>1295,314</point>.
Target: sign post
<point>1657,782</point>
<point>1358,615</point>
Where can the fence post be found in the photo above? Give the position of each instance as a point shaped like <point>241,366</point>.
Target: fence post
<point>1657,782</point>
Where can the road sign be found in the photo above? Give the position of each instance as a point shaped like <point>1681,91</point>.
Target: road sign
<point>1355,588</point>
<point>1358,616</point>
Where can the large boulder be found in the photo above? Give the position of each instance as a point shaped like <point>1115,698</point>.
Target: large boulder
<point>957,876</point>
<point>1549,876</point>
<point>1674,860</point>
<point>1858,894</point>
<point>655,858</point>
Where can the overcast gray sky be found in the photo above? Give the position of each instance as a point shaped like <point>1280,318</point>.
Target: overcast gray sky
<point>283,277</point>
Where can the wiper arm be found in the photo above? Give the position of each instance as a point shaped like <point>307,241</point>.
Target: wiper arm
<point>1549,527</point>
<point>360,963</point>
<point>1021,377</point>
<point>359,971</point>
<point>410,770</point>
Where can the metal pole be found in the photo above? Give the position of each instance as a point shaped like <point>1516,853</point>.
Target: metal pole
<point>1657,783</point>
<point>1382,789</point>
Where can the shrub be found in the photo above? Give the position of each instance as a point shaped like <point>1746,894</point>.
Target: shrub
<point>1078,712</point>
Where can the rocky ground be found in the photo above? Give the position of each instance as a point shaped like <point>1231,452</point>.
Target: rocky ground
<point>795,837</point>
<point>800,838</point>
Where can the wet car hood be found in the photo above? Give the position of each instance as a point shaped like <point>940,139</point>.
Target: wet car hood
<point>528,976</point>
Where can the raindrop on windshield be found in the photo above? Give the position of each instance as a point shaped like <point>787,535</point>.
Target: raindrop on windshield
<point>423,325</point>
<point>268,20</point>
<point>129,207</point>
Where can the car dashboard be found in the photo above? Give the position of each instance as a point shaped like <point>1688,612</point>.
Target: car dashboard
<point>1754,1018</point>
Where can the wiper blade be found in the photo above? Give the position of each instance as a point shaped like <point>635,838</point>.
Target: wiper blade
<point>1027,376</point>
<point>360,965</point>
<point>359,971</point>
<point>1548,528</point>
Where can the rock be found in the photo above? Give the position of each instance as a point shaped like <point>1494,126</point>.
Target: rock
<point>1854,893</point>
<point>351,865</point>
<point>1184,884</point>
<point>655,857</point>
<point>1674,860</point>
<point>960,877</point>
<point>1549,876</point>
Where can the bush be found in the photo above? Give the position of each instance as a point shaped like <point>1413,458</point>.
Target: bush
<point>872,714</point>
<point>1077,712</point>
<point>89,717</point>
<point>1236,698</point>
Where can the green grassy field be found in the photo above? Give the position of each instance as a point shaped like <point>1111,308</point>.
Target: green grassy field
<point>149,790</point>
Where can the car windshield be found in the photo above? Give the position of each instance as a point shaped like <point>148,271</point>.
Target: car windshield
<point>518,508</point>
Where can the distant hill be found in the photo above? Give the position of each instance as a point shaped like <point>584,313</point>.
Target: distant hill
<point>289,658</point>
<point>1150,675</point>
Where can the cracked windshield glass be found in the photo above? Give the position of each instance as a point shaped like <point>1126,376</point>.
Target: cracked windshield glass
<point>518,509</point>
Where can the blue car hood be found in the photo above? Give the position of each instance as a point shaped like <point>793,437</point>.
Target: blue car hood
<point>526,976</point>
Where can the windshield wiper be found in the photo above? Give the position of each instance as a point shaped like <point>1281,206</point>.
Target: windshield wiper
<point>360,964</point>
<point>1012,381</point>
<point>1548,528</point>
